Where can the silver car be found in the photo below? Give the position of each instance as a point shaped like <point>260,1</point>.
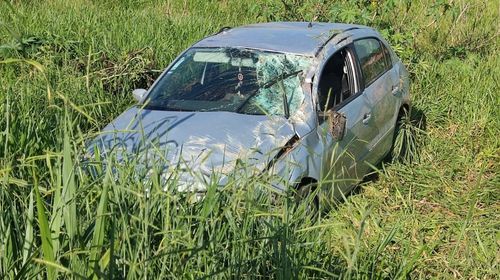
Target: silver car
<point>305,102</point>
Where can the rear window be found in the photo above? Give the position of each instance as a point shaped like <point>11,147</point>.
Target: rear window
<point>373,57</point>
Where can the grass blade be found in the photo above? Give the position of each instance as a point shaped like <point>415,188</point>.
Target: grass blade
<point>69,190</point>
<point>28,235</point>
<point>45,235</point>
<point>100,224</point>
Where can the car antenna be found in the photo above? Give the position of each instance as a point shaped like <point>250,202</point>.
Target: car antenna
<point>310,25</point>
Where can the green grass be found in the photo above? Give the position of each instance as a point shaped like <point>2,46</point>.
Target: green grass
<point>68,68</point>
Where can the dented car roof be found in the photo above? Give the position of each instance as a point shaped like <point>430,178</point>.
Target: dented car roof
<point>289,37</point>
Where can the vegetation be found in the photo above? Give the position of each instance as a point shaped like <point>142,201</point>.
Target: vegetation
<point>67,68</point>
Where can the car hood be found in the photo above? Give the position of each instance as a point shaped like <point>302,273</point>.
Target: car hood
<point>201,141</point>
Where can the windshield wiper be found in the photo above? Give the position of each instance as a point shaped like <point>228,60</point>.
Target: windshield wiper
<point>280,78</point>
<point>285,99</point>
<point>165,108</point>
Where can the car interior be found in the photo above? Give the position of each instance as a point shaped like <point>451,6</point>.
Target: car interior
<point>334,85</point>
<point>215,83</point>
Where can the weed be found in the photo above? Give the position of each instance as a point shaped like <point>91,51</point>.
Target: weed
<point>433,215</point>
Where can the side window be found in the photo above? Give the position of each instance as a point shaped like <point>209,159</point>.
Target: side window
<point>388,58</point>
<point>372,58</point>
<point>336,82</point>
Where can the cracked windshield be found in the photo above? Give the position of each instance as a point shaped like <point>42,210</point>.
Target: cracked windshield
<point>234,80</point>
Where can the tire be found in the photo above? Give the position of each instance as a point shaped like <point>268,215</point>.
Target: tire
<point>398,151</point>
<point>303,191</point>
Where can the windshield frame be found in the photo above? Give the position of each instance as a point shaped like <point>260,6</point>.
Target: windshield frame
<point>300,74</point>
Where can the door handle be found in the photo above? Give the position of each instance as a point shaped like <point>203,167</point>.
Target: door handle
<point>366,118</point>
<point>395,89</point>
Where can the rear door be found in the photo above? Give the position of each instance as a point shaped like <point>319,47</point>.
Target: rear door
<point>378,82</point>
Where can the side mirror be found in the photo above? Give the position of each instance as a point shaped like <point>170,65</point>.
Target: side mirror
<point>336,124</point>
<point>139,94</point>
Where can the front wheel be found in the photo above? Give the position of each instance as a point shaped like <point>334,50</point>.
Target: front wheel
<point>306,196</point>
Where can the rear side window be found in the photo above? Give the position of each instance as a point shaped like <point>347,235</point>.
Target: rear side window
<point>373,58</point>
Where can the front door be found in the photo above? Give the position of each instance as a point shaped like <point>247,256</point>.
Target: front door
<point>339,90</point>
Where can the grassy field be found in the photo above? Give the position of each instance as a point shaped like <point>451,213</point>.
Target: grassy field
<point>67,68</point>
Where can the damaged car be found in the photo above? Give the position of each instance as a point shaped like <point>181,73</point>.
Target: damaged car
<point>307,102</point>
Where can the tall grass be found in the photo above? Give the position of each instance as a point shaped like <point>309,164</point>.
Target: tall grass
<point>68,68</point>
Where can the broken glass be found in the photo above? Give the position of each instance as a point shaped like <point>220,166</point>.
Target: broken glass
<point>231,79</point>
